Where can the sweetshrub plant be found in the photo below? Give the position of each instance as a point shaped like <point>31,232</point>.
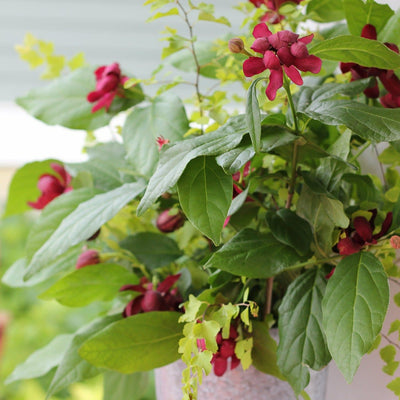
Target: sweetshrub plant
<point>202,232</point>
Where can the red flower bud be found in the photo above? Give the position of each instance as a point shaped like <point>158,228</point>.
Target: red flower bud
<point>88,257</point>
<point>236,45</point>
<point>169,223</point>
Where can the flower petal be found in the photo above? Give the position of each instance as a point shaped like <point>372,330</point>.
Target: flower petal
<point>293,74</point>
<point>261,45</point>
<point>306,39</point>
<point>311,63</point>
<point>385,226</point>
<point>286,56</point>
<point>363,228</point>
<point>347,247</point>
<point>275,82</point>
<point>167,283</point>
<point>261,30</point>
<point>369,32</point>
<point>253,66</point>
<point>271,61</point>
<point>391,82</point>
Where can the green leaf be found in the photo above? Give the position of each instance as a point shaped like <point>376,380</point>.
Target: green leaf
<point>359,13</point>
<point>302,341</point>
<point>63,102</point>
<point>366,52</point>
<point>208,330</point>
<point>52,216</point>
<point>364,187</point>
<point>23,186</point>
<point>354,307</point>
<point>253,117</point>
<point>41,361</point>
<point>264,350</point>
<point>233,160</point>
<point>152,249</point>
<point>151,339</point>
<point>324,214</point>
<point>14,276</point>
<point>164,116</point>
<point>391,31</point>
<point>205,194</point>
<point>82,223</point>
<point>72,367</point>
<point>121,386</point>
<point>325,10</point>
<point>388,354</point>
<point>376,124</point>
<point>172,11</point>
<point>288,228</point>
<point>175,158</point>
<point>208,58</point>
<point>254,255</point>
<point>394,386</point>
<point>100,282</point>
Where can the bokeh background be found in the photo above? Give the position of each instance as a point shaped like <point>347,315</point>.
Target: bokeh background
<point>106,32</point>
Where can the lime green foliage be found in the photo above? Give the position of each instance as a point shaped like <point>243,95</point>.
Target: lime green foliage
<point>37,52</point>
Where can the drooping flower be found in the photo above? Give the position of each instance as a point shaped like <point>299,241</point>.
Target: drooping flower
<point>52,186</point>
<point>109,83</point>
<point>361,234</point>
<point>388,78</point>
<point>281,52</point>
<point>88,257</point>
<point>225,352</point>
<point>389,100</point>
<point>163,298</point>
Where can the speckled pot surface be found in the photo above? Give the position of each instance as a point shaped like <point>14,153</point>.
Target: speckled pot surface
<point>236,384</point>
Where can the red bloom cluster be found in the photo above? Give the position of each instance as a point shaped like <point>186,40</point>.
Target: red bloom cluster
<point>362,234</point>
<point>282,51</point>
<point>226,351</point>
<point>272,16</point>
<point>88,257</point>
<point>163,298</point>
<point>109,83</point>
<point>388,78</point>
<point>52,186</point>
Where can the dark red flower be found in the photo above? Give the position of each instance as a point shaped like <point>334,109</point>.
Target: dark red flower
<point>272,16</point>
<point>387,77</point>
<point>109,83</point>
<point>88,257</point>
<point>163,298</point>
<point>52,186</point>
<point>361,234</point>
<point>281,52</point>
<point>225,352</point>
<point>169,223</point>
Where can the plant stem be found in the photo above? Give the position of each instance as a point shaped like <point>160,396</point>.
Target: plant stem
<point>286,85</point>
<point>195,58</point>
<point>390,341</point>
<point>362,149</point>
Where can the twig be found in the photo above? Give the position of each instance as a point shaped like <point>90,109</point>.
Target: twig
<point>390,341</point>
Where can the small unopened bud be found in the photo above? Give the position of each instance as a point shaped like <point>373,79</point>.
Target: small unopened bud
<point>169,223</point>
<point>88,257</point>
<point>236,45</point>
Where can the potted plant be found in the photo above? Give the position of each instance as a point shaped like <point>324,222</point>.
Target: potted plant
<point>201,233</point>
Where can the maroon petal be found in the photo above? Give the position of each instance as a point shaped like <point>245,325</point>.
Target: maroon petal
<point>60,170</point>
<point>391,82</point>
<point>94,96</point>
<point>311,63</point>
<point>392,47</point>
<point>306,39</point>
<point>275,82</point>
<point>286,56</point>
<point>261,30</point>
<point>372,92</point>
<point>347,247</point>
<point>385,226</point>
<point>42,201</point>
<point>390,101</point>
<point>293,74</point>
<point>369,32</point>
<point>253,66</point>
<point>108,83</point>
<point>112,69</point>
<point>235,362</point>
<point>220,365</point>
<point>272,17</point>
<point>299,50</point>
<point>261,45</point>
<point>271,61</point>
<point>105,101</point>
<point>167,283</point>
<point>99,72</point>
<point>346,67</point>
<point>227,348</point>
<point>133,307</point>
<point>49,184</point>
<point>363,228</point>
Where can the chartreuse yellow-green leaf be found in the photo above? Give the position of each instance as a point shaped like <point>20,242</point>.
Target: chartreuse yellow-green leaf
<point>354,307</point>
